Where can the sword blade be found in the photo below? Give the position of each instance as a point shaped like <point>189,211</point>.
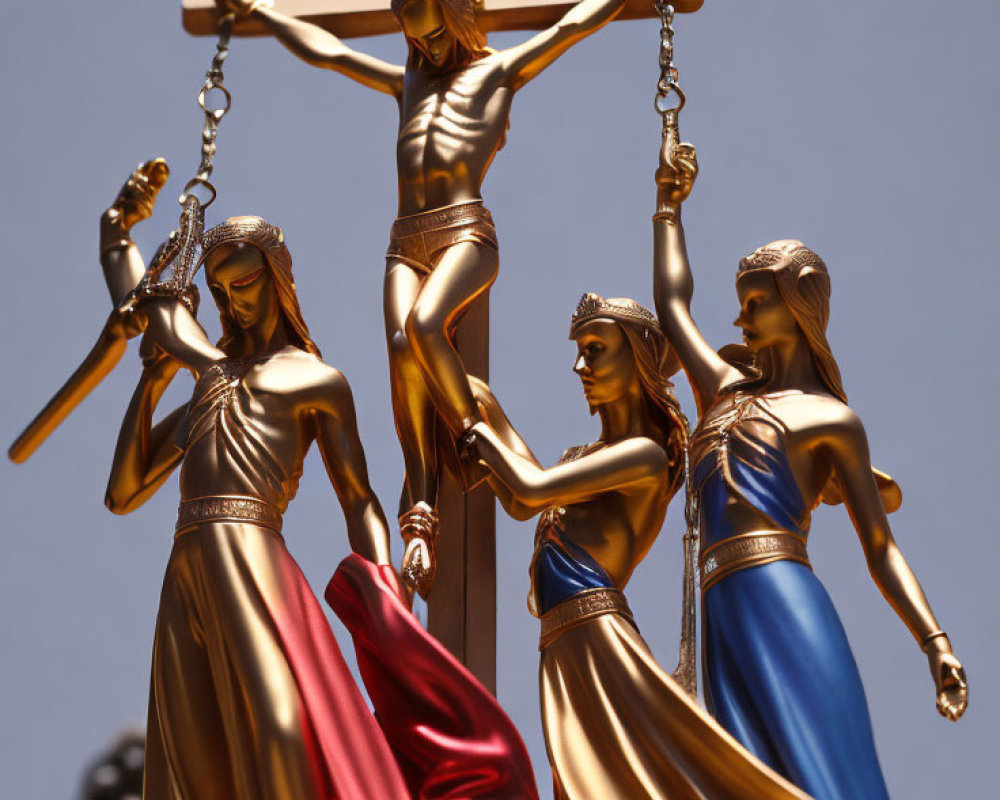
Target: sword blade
<point>101,359</point>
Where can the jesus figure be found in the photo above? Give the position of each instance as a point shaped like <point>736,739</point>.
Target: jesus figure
<point>454,97</point>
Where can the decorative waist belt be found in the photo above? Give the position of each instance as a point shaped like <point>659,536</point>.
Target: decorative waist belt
<point>579,608</point>
<point>227,508</point>
<point>442,218</point>
<point>749,550</point>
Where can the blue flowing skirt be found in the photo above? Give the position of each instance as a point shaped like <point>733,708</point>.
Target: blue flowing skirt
<point>780,677</point>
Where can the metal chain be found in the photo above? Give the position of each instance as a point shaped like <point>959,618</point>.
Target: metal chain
<point>178,255</point>
<point>215,101</point>
<point>668,107</point>
<point>686,673</point>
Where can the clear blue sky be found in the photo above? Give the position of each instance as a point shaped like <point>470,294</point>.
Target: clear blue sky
<point>867,130</point>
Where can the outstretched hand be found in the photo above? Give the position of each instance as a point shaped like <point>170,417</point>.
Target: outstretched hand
<point>677,172</point>
<point>949,681</point>
<point>136,199</point>
<point>242,8</point>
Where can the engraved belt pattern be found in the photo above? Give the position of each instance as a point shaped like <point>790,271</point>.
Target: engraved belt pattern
<point>441,218</point>
<point>228,508</point>
<point>579,608</point>
<point>749,550</point>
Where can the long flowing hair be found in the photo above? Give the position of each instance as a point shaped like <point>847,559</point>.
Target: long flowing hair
<point>460,19</point>
<point>804,284</point>
<point>271,242</point>
<point>655,361</point>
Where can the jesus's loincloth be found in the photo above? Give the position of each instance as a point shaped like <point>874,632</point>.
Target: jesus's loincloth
<point>420,240</point>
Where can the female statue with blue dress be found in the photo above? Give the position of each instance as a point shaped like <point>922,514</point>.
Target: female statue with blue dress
<point>617,725</point>
<point>775,437</point>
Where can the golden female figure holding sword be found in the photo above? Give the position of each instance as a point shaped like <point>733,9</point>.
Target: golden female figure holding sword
<point>454,97</point>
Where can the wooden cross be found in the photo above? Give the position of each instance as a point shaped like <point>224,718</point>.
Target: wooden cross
<point>349,18</point>
<point>462,603</point>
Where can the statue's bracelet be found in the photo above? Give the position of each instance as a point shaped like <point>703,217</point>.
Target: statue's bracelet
<point>115,244</point>
<point>670,214</point>
<point>925,643</point>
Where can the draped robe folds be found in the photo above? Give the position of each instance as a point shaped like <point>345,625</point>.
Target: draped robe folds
<point>779,671</point>
<point>617,726</point>
<point>250,697</point>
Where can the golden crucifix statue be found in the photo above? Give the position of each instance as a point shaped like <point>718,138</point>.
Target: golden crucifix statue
<point>454,96</point>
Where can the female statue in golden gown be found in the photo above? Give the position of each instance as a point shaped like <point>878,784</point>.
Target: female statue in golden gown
<point>250,697</point>
<point>775,436</point>
<point>617,726</point>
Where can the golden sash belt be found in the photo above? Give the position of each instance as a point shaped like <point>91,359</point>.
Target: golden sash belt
<point>227,508</point>
<point>749,550</point>
<point>586,605</point>
<point>441,219</point>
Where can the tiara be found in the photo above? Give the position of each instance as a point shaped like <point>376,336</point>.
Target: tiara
<point>593,306</point>
<point>236,229</point>
<point>785,250</point>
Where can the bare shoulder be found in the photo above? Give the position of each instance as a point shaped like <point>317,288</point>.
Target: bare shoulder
<point>823,419</point>
<point>314,382</point>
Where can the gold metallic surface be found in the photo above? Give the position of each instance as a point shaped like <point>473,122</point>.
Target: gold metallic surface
<point>749,550</point>
<point>454,96</point>
<point>220,508</point>
<point>617,726</point>
<point>347,18</point>
<point>227,717</point>
<point>260,401</point>
<point>225,712</point>
<point>578,609</point>
<point>794,379</point>
<point>123,269</point>
<point>419,240</point>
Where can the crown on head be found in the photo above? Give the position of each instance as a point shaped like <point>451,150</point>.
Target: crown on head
<point>784,252</point>
<point>593,306</point>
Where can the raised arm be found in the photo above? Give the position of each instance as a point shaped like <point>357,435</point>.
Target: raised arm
<point>616,466</point>
<point>340,446</point>
<point>170,326</point>
<point>527,60</point>
<point>121,261</point>
<point>673,283</point>
<point>848,446</point>
<point>146,454</point>
<point>322,49</point>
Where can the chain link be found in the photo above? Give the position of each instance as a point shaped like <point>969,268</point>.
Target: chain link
<point>686,673</point>
<point>668,107</point>
<point>215,101</point>
<point>173,266</point>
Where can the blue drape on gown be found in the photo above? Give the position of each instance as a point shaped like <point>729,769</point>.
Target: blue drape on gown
<point>779,671</point>
<point>563,569</point>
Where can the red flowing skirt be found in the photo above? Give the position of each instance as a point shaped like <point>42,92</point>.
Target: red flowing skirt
<point>450,737</point>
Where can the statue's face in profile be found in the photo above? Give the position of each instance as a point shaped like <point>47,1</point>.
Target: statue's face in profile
<point>241,284</point>
<point>764,316</point>
<point>604,362</point>
<point>425,27</point>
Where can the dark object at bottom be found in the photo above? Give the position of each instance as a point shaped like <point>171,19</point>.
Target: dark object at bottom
<point>117,773</point>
